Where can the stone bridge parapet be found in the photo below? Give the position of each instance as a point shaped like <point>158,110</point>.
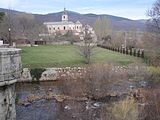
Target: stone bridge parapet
<point>10,72</point>
<point>10,65</point>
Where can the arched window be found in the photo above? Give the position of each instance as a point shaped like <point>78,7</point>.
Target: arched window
<point>77,27</point>
<point>64,28</point>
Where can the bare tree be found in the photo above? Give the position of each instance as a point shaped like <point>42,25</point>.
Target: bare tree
<point>30,27</point>
<point>26,22</point>
<point>154,27</point>
<point>117,39</point>
<point>102,27</point>
<point>15,26</point>
<point>154,21</point>
<point>70,36</point>
<point>86,50</point>
<point>7,28</point>
<point>154,13</point>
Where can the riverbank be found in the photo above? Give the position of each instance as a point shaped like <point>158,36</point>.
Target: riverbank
<point>58,105</point>
<point>53,74</point>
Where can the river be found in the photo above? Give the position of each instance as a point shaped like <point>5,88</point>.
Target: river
<point>52,109</point>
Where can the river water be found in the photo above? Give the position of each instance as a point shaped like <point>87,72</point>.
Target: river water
<point>52,110</point>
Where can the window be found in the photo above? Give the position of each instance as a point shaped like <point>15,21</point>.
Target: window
<point>64,28</point>
<point>77,27</point>
<point>64,17</point>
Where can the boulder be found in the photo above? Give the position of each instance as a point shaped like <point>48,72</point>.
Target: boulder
<point>26,75</point>
<point>49,75</point>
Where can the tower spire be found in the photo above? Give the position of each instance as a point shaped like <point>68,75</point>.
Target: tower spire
<point>65,16</point>
<point>65,11</point>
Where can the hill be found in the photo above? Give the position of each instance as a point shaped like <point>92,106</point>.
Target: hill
<point>118,23</point>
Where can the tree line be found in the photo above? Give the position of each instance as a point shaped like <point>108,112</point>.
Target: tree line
<point>149,40</point>
<point>21,25</point>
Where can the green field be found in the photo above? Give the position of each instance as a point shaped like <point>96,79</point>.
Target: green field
<point>67,55</point>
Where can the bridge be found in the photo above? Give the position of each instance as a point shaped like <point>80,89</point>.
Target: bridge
<point>10,71</point>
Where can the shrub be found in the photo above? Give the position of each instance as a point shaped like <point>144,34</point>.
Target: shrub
<point>130,51</point>
<point>99,76</point>
<point>36,73</point>
<point>155,72</point>
<point>142,54</point>
<point>126,110</point>
<point>151,110</point>
<point>138,53</point>
<point>134,53</point>
<point>127,51</point>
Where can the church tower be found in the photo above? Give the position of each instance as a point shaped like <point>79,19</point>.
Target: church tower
<point>65,16</point>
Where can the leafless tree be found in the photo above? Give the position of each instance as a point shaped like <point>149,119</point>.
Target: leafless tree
<point>154,21</point>
<point>29,26</point>
<point>86,49</point>
<point>5,25</point>
<point>102,27</point>
<point>154,27</point>
<point>22,25</point>
<point>70,36</point>
<point>154,13</point>
<point>117,39</point>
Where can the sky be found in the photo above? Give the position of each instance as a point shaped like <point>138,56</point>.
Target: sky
<point>132,9</point>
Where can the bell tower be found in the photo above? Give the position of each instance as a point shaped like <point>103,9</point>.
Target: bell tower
<point>65,16</point>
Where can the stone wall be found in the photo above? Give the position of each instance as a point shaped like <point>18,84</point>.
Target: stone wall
<point>4,46</point>
<point>10,72</point>
<point>51,74</point>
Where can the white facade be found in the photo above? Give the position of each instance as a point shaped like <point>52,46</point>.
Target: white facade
<point>64,25</point>
<point>1,42</point>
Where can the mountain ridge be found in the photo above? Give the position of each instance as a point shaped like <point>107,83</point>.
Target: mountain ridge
<point>118,23</point>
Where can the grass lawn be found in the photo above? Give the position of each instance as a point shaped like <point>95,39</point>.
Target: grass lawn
<point>67,55</point>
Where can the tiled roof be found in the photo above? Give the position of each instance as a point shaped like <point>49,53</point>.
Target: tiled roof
<point>59,23</point>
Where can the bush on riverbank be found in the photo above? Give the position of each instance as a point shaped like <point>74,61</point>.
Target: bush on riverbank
<point>36,73</point>
<point>155,72</point>
<point>126,109</point>
<point>101,80</point>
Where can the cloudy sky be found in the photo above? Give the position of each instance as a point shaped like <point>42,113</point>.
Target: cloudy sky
<point>133,9</point>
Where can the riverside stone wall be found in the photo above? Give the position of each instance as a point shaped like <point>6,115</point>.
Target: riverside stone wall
<point>10,72</point>
<point>51,74</point>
